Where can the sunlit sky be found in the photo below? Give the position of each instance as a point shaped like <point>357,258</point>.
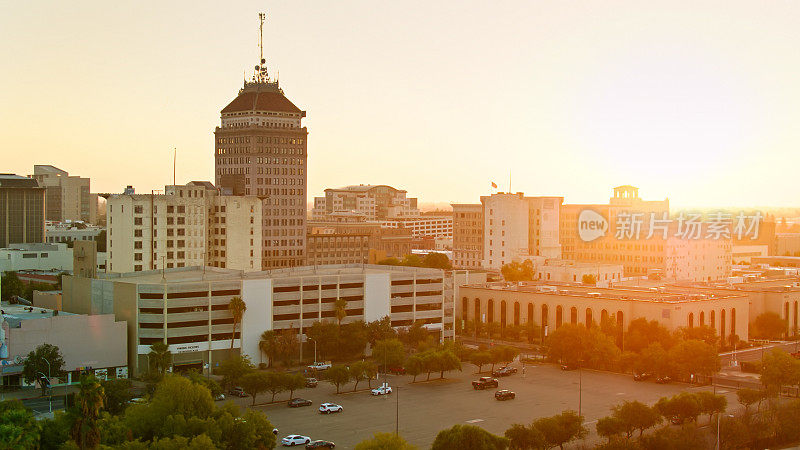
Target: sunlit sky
<point>695,101</point>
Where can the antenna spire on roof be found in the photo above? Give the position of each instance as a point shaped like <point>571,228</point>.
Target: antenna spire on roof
<point>261,75</point>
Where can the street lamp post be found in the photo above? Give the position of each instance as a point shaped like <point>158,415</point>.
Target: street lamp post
<point>315,348</point>
<point>580,387</point>
<point>50,392</point>
<point>717,445</point>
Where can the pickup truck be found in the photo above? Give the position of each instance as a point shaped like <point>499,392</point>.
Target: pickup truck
<point>319,366</point>
<point>484,382</point>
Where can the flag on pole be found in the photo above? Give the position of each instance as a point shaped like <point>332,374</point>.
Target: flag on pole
<point>494,185</point>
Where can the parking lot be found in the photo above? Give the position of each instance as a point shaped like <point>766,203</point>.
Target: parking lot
<point>423,409</point>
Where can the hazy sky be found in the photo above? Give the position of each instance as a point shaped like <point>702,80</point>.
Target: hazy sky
<point>695,101</point>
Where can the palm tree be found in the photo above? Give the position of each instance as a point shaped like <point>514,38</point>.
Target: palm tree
<point>160,357</point>
<point>85,432</point>
<point>236,307</point>
<point>341,312</point>
<point>269,345</point>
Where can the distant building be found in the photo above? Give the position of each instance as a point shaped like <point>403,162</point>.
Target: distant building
<point>568,271</point>
<point>467,236</point>
<point>51,257</point>
<point>191,225</point>
<point>68,197</point>
<point>551,305</point>
<point>368,202</point>
<point>429,225</point>
<point>337,248</point>
<point>22,206</point>
<point>516,228</point>
<point>70,231</point>
<point>194,302</point>
<point>787,244</point>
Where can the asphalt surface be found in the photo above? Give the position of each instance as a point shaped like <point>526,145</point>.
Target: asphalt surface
<point>425,408</point>
<point>754,354</point>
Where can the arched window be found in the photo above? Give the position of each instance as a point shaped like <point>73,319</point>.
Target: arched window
<point>465,308</point>
<point>702,318</point>
<point>478,318</point>
<point>722,326</point>
<point>603,316</point>
<point>620,320</point>
<point>531,319</point>
<point>713,321</point>
<point>559,316</point>
<point>691,320</point>
<point>502,314</point>
<point>545,314</point>
<point>794,328</point>
<point>733,321</point>
<point>516,313</point>
<point>490,311</point>
<point>573,315</point>
<point>589,319</point>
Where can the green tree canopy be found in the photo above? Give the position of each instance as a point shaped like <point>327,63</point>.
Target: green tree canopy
<point>769,325</point>
<point>160,358</point>
<point>468,437</point>
<point>389,352</point>
<point>338,376</point>
<point>642,333</point>
<point>560,429</point>
<point>233,369</point>
<point>521,437</point>
<point>518,272</point>
<point>45,360</point>
<point>384,441</point>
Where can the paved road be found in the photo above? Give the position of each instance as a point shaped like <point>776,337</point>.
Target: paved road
<point>42,405</point>
<point>754,354</point>
<point>427,408</point>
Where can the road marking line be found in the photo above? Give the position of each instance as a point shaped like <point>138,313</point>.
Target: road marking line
<point>620,393</point>
<point>474,421</point>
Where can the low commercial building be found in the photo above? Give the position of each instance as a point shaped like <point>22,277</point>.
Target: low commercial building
<point>552,305</point>
<point>70,231</point>
<point>94,343</point>
<point>337,248</point>
<point>567,271</point>
<point>187,308</point>
<point>35,257</point>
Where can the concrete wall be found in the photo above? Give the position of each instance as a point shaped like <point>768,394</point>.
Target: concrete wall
<point>84,341</point>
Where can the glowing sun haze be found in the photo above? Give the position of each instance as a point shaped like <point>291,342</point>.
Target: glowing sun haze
<point>695,101</point>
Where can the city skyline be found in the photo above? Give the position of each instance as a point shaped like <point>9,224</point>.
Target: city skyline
<point>572,100</point>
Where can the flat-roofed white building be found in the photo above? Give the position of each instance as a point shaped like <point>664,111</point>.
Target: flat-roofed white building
<point>187,308</point>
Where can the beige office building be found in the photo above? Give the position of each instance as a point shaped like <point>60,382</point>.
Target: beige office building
<point>191,225</point>
<point>337,248</point>
<point>68,197</point>
<point>188,308</point>
<point>518,227</point>
<point>261,150</point>
<point>552,305</point>
<point>467,235</point>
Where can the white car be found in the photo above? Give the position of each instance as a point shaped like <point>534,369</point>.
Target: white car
<point>295,439</point>
<point>382,390</point>
<point>319,366</point>
<point>327,408</point>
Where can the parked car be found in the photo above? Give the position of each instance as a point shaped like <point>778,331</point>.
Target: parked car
<point>137,401</point>
<point>295,439</point>
<point>382,390</point>
<point>397,370</point>
<point>641,376</point>
<point>219,397</point>
<point>298,402</point>
<point>320,444</point>
<point>663,380</point>
<point>327,408</point>
<point>569,366</point>
<point>504,394</point>
<point>319,366</point>
<point>237,391</point>
<point>311,382</point>
<point>504,371</point>
<point>485,382</point>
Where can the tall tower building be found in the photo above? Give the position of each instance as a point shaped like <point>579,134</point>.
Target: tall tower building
<point>261,150</point>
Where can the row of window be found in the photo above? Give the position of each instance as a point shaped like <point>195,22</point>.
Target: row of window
<point>260,140</point>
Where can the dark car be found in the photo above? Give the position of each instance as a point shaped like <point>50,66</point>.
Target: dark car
<point>397,370</point>
<point>504,372</point>
<point>237,391</point>
<point>504,394</point>
<point>320,444</point>
<point>484,382</point>
<point>641,376</point>
<point>311,382</point>
<point>298,402</point>
<point>569,366</point>
<point>663,380</point>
